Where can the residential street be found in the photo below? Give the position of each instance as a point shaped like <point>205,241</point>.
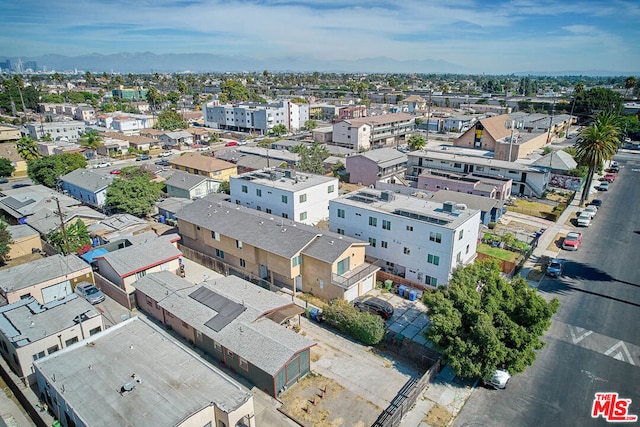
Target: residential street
<point>593,344</point>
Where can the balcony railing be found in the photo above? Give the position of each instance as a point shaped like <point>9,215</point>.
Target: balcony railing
<point>354,276</point>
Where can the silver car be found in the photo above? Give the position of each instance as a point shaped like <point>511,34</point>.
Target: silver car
<point>499,380</point>
<point>89,292</point>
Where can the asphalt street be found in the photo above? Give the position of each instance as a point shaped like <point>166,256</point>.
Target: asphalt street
<point>593,344</point>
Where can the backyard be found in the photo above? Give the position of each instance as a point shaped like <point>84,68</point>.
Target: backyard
<point>551,208</point>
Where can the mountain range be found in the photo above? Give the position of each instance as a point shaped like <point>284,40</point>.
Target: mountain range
<point>148,62</point>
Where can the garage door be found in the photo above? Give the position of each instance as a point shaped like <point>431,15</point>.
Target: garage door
<point>351,293</point>
<point>56,292</point>
<point>367,284</point>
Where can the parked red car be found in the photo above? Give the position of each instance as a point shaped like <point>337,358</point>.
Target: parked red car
<point>231,144</point>
<point>572,241</point>
<point>609,177</point>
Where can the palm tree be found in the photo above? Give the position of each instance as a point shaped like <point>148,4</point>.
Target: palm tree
<point>27,149</point>
<point>630,83</point>
<point>92,140</point>
<point>20,85</point>
<point>596,144</point>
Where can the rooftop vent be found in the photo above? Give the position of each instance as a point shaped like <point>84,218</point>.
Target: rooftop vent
<point>448,206</point>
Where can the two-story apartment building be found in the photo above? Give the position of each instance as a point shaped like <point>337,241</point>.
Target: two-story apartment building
<point>527,180</point>
<point>287,193</point>
<point>280,251</point>
<point>70,130</point>
<point>365,132</point>
<point>87,186</point>
<point>493,187</point>
<point>30,330</point>
<point>368,167</point>
<point>136,373</point>
<point>210,167</point>
<point>417,239</point>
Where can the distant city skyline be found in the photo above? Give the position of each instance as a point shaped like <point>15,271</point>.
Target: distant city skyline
<point>471,36</point>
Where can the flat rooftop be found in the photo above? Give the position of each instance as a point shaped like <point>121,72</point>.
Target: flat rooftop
<point>174,383</point>
<point>286,179</point>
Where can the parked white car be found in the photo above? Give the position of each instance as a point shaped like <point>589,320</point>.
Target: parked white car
<point>584,219</point>
<point>165,154</point>
<point>499,380</point>
<point>591,210</point>
<point>102,165</point>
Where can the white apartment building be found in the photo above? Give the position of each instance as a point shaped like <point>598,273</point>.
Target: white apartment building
<point>376,131</point>
<point>286,193</point>
<point>255,118</point>
<point>70,130</point>
<point>420,240</point>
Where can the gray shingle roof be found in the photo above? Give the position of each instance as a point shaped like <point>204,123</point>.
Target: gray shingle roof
<point>38,271</point>
<point>129,260</point>
<point>260,341</point>
<point>184,180</point>
<point>557,160</point>
<point>384,157</point>
<point>175,382</point>
<point>277,235</point>
<point>88,180</point>
<point>21,231</point>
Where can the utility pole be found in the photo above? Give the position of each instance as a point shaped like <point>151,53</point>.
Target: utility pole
<point>570,117</point>
<point>513,122</point>
<point>64,230</point>
<point>551,122</point>
<point>428,114</point>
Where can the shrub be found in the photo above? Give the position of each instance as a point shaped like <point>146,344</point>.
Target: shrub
<point>491,225</point>
<point>365,327</point>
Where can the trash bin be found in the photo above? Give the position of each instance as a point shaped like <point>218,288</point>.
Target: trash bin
<point>406,293</point>
<point>308,312</point>
<point>388,284</point>
<point>401,290</point>
<point>413,294</point>
<point>314,314</point>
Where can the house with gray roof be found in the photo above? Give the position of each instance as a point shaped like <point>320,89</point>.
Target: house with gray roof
<point>116,227</point>
<point>168,206</point>
<point>176,139</point>
<point>235,322</point>
<point>87,186</point>
<point>24,241</point>
<point>190,186</point>
<point>30,330</point>
<point>280,251</point>
<point>46,279</point>
<point>134,373</point>
<point>368,167</point>
<point>146,253</point>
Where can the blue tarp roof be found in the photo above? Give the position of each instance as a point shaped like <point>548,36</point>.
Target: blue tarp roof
<point>93,254</point>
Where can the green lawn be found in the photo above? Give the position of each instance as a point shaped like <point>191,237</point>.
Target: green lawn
<point>497,252</point>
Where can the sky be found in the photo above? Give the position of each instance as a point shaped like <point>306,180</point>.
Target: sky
<point>484,36</point>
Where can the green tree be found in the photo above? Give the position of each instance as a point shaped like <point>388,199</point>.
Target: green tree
<point>224,187</point>
<point>365,327</point>
<point>47,170</point>
<point>418,121</point>
<point>311,124</point>
<point>6,168</point>
<point>596,100</point>
<point>27,149</point>
<point>629,84</point>
<point>482,321</point>
<point>17,79</point>
<point>597,143</point>
<point>416,142</point>
<point>77,237</point>
<point>91,139</point>
<point>5,241</point>
<point>278,130</point>
<point>133,192</point>
<point>170,120</point>
<point>311,157</point>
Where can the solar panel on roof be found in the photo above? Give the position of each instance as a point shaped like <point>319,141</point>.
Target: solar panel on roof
<point>227,310</point>
<point>17,204</point>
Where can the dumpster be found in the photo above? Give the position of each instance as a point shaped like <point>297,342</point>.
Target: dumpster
<point>413,294</point>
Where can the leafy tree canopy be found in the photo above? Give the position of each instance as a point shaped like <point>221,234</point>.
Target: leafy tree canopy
<point>47,170</point>
<point>27,149</point>
<point>311,157</point>
<point>77,235</point>
<point>170,120</point>
<point>416,142</point>
<point>133,192</point>
<point>593,101</point>
<point>311,124</point>
<point>365,327</point>
<point>6,168</point>
<point>5,241</point>
<point>278,130</point>
<point>483,322</point>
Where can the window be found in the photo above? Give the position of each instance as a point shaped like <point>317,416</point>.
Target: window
<point>409,228</point>
<point>343,266</point>
<point>239,244</point>
<point>340,231</point>
<point>141,274</point>
<point>373,221</point>
<point>340,213</point>
<point>431,281</point>
<point>330,189</point>
<point>467,251</point>
<point>217,346</point>
<point>268,210</point>
<point>435,237</point>
<point>303,198</point>
<point>243,363</point>
<point>296,261</point>
<point>52,349</point>
<point>372,241</point>
<point>258,192</point>
<point>245,189</point>
<point>70,341</point>
<point>460,234</point>
<point>457,165</point>
<point>243,263</point>
<point>433,259</point>
<point>407,251</point>
<point>284,199</point>
<point>231,354</point>
<point>95,330</point>
<point>459,257</point>
<point>303,216</point>
<point>285,215</point>
<point>220,254</point>
<point>383,244</point>
<point>386,225</point>
<point>480,168</point>
<point>215,235</point>
<point>39,355</point>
